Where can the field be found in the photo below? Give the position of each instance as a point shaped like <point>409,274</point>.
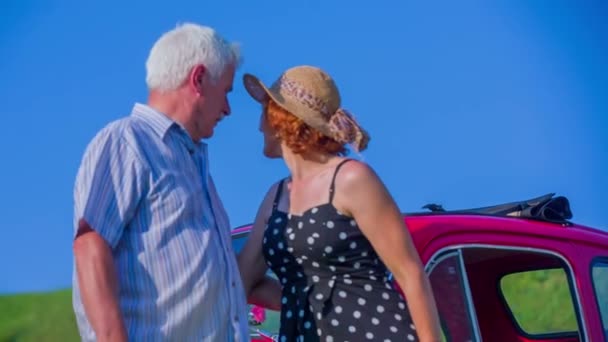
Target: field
<point>535,297</point>
<point>38,317</point>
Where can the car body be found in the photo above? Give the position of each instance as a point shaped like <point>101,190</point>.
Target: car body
<point>507,273</point>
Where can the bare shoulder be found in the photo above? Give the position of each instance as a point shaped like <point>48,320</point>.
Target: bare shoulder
<point>356,180</point>
<point>266,205</point>
<point>272,190</point>
<point>356,185</point>
<point>354,173</point>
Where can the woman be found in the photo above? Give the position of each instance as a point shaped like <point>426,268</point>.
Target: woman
<point>331,231</point>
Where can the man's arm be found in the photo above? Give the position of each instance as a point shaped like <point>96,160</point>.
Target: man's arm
<point>110,184</point>
<point>98,284</point>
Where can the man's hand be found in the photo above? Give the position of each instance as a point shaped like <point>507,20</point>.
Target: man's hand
<point>98,284</point>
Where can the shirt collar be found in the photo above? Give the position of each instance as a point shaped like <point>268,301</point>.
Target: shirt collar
<point>159,122</point>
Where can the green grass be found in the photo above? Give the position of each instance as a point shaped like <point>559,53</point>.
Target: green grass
<point>49,317</point>
<point>38,317</point>
<point>540,301</point>
<point>600,279</point>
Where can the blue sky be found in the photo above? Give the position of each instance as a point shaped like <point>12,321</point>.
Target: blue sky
<point>469,103</point>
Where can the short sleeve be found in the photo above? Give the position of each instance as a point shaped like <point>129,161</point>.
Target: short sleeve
<point>109,186</point>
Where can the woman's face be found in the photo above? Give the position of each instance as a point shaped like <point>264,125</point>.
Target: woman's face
<point>272,145</point>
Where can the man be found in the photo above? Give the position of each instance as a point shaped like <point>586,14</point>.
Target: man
<point>152,248</point>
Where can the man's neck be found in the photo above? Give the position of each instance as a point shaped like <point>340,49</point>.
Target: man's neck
<point>169,104</point>
<point>164,102</point>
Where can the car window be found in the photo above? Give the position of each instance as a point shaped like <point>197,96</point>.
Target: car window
<point>599,273</point>
<point>540,301</point>
<point>449,288</point>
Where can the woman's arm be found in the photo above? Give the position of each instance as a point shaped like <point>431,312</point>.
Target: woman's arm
<point>362,194</point>
<point>259,289</point>
<point>266,293</point>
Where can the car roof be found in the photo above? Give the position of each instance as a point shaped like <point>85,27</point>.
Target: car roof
<point>425,228</point>
<point>430,226</point>
<point>545,216</point>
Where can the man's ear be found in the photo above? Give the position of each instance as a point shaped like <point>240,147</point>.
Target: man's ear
<point>197,77</point>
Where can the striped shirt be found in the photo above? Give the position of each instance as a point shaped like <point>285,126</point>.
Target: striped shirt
<point>145,187</point>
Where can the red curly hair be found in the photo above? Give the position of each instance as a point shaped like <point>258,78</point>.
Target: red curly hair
<point>297,135</point>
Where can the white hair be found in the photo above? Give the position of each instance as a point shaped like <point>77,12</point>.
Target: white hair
<point>176,52</point>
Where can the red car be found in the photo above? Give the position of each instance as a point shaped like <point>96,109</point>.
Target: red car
<point>519,271</point>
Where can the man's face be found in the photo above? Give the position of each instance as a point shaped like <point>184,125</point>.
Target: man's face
<point>212,105</point>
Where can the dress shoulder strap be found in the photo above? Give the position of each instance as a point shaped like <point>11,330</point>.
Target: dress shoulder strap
<point>332,187</point>
<point>277,197</point>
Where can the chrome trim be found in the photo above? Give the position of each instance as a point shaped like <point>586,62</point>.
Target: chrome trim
<point>528,249</point>
<point>239,235</point>
<point>469,296</point>
<point>263,333</point>
<point>431,266</point>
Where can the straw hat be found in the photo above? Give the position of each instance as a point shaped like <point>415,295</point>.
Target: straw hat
<point>311,94</point>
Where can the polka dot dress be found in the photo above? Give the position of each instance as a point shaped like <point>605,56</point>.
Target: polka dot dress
<point>335,288</point>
